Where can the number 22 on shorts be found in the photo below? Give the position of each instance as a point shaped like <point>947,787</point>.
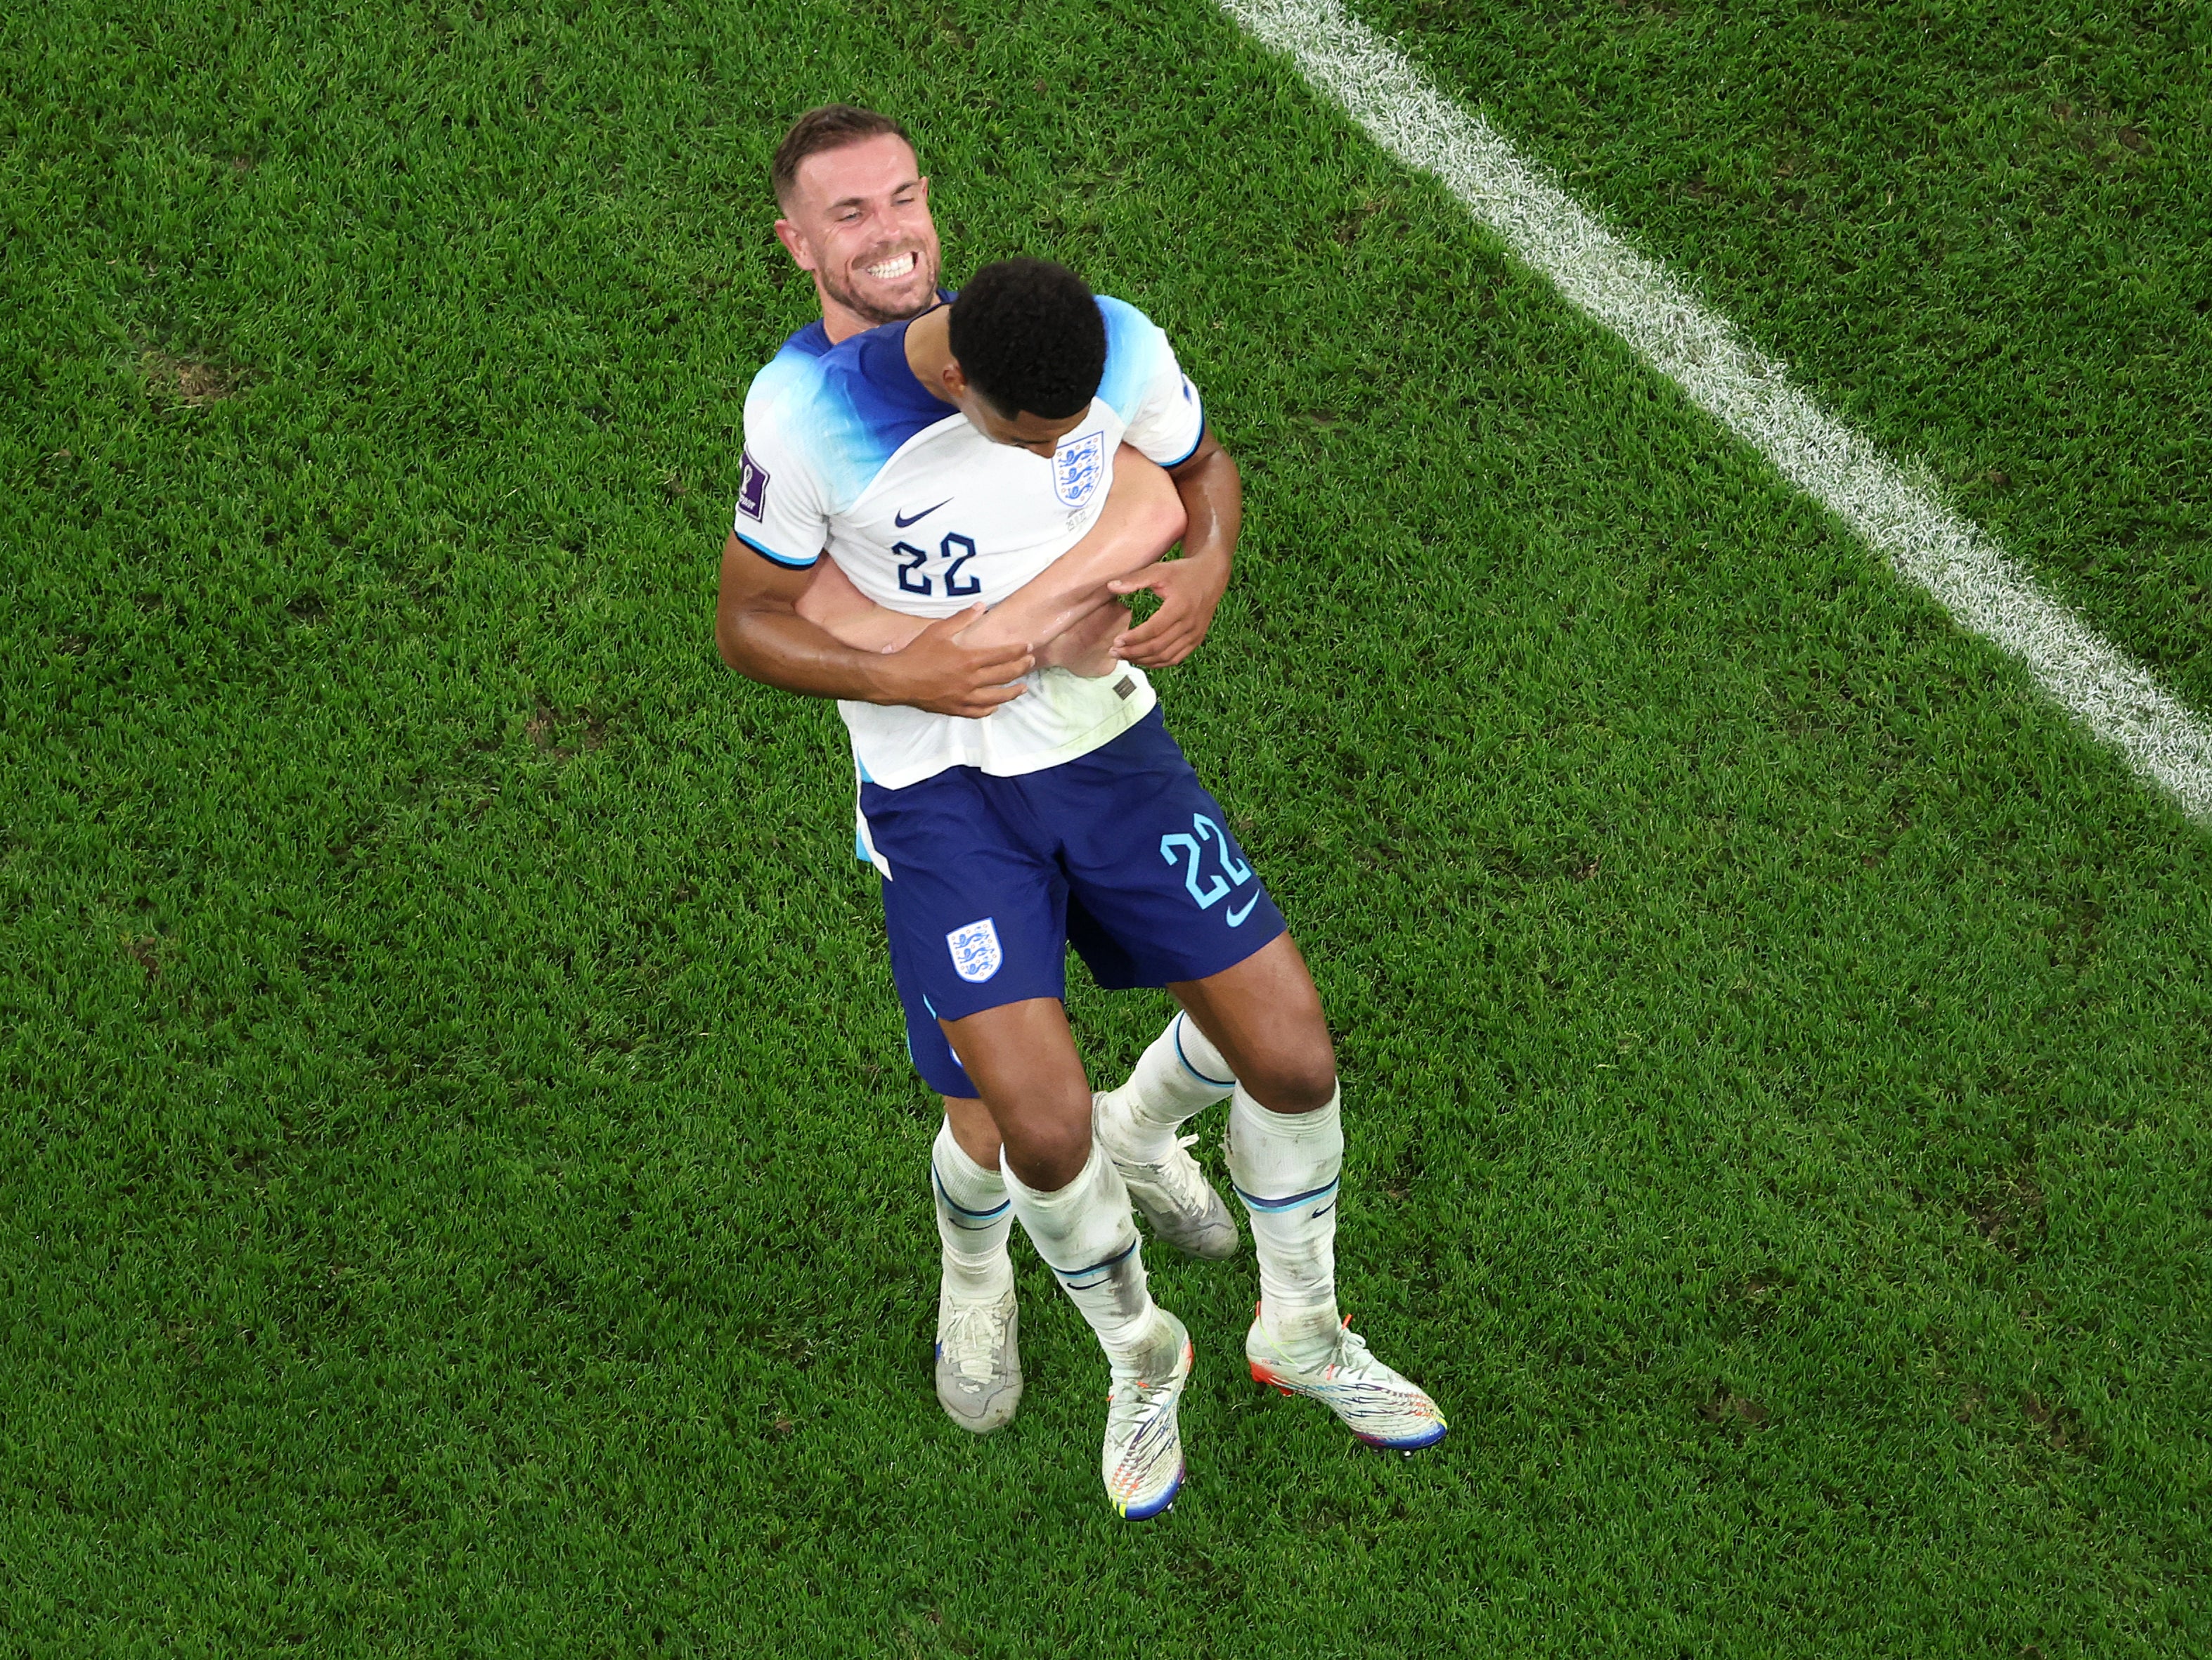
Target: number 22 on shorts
<point>1234,872</point>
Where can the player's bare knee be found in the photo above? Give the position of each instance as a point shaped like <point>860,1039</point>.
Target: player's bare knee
<point>1046,1158</point>
<point>1300,1079</point>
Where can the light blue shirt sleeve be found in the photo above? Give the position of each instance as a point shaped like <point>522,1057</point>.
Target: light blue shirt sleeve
<point>780,513</point>
<point>1161,411</point>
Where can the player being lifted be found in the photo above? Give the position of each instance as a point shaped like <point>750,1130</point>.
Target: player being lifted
<point>1012,807</point>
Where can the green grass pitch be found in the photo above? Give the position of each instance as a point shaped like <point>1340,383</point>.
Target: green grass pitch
<point>461,1189</point>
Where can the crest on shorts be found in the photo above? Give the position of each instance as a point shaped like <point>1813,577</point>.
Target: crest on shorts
<point>1077,467</point>
<point>975,953</point>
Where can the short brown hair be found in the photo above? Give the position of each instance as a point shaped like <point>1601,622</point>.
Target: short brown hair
<point>831,127</point>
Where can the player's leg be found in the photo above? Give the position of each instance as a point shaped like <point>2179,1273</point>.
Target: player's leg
<point>1276,1013</point>
<point>1180,1074</point>
<point>978,1354</point>
<point>1076,1212</point>
<point>979,1370</point>
<point>1140,1123</point>
<point>1287,1159</point>
<point>1159,892</point>
<point>1155,867</point>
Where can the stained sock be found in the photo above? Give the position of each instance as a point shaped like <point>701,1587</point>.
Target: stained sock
<point>1286,1168</point>
<point>1177,1077</point>
<point>1085,1232</point>
<point>974,1219</point>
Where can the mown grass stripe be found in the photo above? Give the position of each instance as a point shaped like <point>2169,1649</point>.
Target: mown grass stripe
<point>1985,591</point>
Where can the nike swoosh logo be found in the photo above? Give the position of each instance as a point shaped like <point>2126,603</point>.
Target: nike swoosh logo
<point>1235,917</point>
<point>1324,1210</point>
<point>902,521</point>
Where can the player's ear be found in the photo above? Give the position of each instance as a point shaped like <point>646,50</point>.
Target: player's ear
<point>794,242</point>
<point>955,378</point>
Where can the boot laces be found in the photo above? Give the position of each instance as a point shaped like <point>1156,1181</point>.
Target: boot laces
<point>1179,1173</point>
<point>974,1333</point>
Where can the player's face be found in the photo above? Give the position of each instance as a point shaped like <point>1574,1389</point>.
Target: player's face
<point>858,219</point>
<point>1037,433</point>
<point>1033,433</point>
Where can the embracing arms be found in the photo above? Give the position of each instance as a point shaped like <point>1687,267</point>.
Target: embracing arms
<point>763,636</point>
<point>1066,615</point>
<point>1141,518</point>
<point>811,631</point>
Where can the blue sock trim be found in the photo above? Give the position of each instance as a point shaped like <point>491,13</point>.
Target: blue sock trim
<point>1176,1031</point>
<point>1069,1278</point>
<point>988,1217</point>
<point>1294,1200</point>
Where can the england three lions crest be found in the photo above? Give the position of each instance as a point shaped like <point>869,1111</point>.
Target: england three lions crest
<point>1077,467</point>
<point>975,953</point>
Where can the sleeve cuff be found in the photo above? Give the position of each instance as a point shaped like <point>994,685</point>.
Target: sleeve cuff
<point>1193,450</point>
<point>775,558</point>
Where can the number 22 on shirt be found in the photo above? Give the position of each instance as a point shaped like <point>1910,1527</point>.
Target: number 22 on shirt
<point>955,550</point>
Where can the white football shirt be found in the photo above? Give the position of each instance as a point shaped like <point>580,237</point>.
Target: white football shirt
<point>845,451</point>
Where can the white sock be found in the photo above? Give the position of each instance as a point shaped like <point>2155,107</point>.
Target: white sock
<point>1085,1232</point>
<point>974,1219</point>
<point>1286,1166</point>
<point>1177,1077</point>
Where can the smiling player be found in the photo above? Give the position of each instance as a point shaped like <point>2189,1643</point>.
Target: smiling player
<point>856,216</point>
<point>1011,809</point>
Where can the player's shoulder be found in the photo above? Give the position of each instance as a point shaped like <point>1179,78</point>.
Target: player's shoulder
<point>1138,354</point>
<point>811,341</point>
<point>1128,328</point>
<point>842,412</point>
<point>787,384</point>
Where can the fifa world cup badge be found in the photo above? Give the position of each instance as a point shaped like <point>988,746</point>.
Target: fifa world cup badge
<point>1077,467</point>
<point>752,489</point>
<point>975,953</point>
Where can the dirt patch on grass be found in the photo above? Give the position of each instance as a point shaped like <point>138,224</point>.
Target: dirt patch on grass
<point>2009,1215</point>
<point>194,382</point>
<point>2060,1426</point>
<point>145,950</point>
<point>1726,1409</point>
<point>560,735</point>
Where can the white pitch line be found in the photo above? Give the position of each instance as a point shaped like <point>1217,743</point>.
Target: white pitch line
<point>1749,392</point>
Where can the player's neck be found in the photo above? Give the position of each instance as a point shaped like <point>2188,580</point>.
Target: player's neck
<point>841,322</point>
<point>929,351</point>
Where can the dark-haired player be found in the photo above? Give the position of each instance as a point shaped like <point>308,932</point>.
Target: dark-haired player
<point>856,216</point>
<point>1011,810</point>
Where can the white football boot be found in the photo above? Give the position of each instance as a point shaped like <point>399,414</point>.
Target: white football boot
<point>1378,1405</point>
<point>979,1361</point>
<point>1173,1194</point>
<point>1142,1462</point>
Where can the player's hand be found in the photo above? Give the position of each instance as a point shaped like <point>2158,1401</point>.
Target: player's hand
<point>935,671</point>
<point>1189,590</point>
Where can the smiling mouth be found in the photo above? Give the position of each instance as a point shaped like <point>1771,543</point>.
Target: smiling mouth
<point>889,270</point>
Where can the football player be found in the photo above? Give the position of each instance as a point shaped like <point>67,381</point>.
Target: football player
<point>1013,806</point>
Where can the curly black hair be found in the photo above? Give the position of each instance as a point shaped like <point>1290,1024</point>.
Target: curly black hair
<point>1029,336</point>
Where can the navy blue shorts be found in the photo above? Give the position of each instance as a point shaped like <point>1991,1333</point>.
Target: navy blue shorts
<point>1120,853</point>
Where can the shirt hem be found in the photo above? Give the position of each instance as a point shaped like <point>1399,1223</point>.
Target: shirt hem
<point>1098,737</point>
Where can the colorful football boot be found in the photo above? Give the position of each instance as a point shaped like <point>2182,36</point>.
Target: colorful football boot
<point>1378,1405</point>
<point>1142,1462</point>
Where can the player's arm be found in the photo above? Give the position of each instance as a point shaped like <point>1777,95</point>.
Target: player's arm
<point>763,636</point>
<point>1212,494</point>
<point>1141,520</point>
<point>831,603</point>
